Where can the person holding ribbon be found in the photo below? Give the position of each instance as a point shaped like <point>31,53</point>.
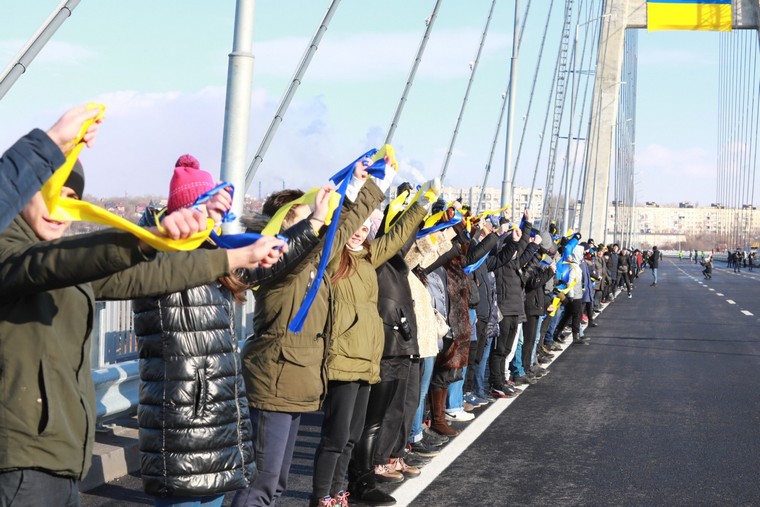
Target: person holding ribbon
<point>353,362</point>
<point>48,288</point>
<point>187,345</point>
<point>284,369</point>
<point>33,159</point>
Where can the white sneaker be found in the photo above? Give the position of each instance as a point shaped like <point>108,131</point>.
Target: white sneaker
<point>460,416</point>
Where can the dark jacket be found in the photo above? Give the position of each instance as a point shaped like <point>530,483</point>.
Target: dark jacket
<point>285,371</point>
<point>395,302</point>
<point>654,259</point>
<point>24,168</point>
<point>509,278</point>
<point>612,266</point>
<point>535,295</point>
<point>195,431</point>
<point>47,306</point>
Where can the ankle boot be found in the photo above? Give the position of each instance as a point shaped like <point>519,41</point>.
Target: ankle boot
<point>439,423</point>
<point>364,489</point>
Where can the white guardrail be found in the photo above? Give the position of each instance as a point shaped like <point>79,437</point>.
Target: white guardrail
<point>114,355</point>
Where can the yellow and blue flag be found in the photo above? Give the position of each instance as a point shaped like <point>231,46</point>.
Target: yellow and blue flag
<point>713,15</point>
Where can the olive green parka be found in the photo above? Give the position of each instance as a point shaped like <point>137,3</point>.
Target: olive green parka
<point>358,337</point>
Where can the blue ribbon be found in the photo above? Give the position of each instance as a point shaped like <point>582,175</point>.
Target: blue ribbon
<point>440,226</point>
<point>472,267</point>
<point>341,179</point>
<point>230,241</point>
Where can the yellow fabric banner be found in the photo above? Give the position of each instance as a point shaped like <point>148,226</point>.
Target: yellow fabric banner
<point>693,15</point>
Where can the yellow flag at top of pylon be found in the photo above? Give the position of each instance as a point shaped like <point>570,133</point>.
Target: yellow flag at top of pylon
<point>715,15</point>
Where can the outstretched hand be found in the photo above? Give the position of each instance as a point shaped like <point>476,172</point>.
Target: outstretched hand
<point>264,253</point>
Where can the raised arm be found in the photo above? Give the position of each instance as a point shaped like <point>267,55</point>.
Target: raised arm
<point>386,246</point>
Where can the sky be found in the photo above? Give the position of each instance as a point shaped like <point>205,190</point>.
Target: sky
<point>161,68</point>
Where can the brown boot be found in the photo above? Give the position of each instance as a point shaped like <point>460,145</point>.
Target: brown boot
<point>439,424</point>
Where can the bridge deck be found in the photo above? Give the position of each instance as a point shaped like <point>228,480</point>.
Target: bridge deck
<point>661,409</point>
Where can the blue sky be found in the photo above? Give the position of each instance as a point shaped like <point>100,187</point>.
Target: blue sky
<point>161,67</point>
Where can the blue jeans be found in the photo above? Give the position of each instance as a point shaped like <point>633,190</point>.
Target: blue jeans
<point>480,371</point>
<point>538,339</point>
<point>190,501</point>
<point>274,439</point>
<point>455,396</point>
<point>549,336</point>
<point>516,365</point>
<point>427,374</point>
<point>654,274</point>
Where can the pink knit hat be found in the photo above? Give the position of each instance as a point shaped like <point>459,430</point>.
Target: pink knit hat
<point>188,182</point>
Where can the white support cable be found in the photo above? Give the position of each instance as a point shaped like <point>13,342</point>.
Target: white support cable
<point>429,22</point>
<point>34,45</point>
<point>467,93</point>
<point>503,108</point>
<point>532,91</point>
<point>290,92</point>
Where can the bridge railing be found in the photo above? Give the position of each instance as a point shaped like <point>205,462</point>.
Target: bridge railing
<point>114,355</point>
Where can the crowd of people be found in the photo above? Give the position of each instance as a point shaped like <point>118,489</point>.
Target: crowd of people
<point>419,314</point>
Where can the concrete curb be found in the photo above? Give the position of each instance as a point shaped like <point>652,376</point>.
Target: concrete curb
<point>115,455</point>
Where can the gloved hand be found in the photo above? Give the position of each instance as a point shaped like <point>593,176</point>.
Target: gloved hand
<point>429,192</point>
<point>391,169</point>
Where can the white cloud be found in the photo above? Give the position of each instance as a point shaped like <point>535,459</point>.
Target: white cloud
<point>55,52</point>
<point>361,57</point>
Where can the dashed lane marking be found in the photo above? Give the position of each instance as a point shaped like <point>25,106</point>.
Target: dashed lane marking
<point>718,294</point>
<point>712,290</point>
<point>745,312</point>
<point>730,301</point>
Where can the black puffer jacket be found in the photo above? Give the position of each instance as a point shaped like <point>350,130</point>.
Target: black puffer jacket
<point>535,296</point>
<point>195,432</point>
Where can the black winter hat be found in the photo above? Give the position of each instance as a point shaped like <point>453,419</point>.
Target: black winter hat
<point>75,180</point>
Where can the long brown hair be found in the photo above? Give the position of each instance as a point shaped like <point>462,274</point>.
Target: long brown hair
<point>348,262</point>
<point>236,286</point>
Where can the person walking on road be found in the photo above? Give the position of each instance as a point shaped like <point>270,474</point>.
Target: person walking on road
<point>654,263</point>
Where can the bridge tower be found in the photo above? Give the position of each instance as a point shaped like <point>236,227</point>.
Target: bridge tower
<point>620,15</point>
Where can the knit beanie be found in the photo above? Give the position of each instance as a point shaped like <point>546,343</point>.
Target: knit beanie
<point>75,180</point>
<point>188,182</point>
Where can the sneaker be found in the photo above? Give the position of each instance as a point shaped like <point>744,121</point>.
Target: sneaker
<point>387,473</point>
<point>327,501</point>
<point>434,439</point>
<point>415,460</point>
<point>487,397</point>
<point>630,296</point>
<point>479,402</point>
<point>474,400</point>
<point>341,499</point>
<point>404,468</point>
<point>524,380</point>
<point>501,392</point>
<point>468,407</point>
<point>423,448</point>
<point>459,416</point>
<point>539,372</point>
<point>555,347</point>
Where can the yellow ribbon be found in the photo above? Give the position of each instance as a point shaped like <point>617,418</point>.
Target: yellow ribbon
<point>275,224</point>
<point>68,209</point>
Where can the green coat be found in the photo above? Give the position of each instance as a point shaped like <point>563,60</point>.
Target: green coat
<point>358,336</point>
<point>284,371</point>
<point>47,296</point>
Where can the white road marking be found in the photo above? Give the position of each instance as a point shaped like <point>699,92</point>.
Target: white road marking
<point>712,289</point>
<point>730,301</point>
<point>745,312</point>
<point>718,294</point>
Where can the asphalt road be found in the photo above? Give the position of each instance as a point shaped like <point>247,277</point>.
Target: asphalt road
<point>661,409</point>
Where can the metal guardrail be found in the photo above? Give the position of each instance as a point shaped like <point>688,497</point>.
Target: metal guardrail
<point>114,355</point>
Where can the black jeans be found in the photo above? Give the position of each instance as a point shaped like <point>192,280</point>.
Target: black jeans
<point>32,488</point>
<point>502,346</point>
<point>274,435</point>
<point>345,408</point>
